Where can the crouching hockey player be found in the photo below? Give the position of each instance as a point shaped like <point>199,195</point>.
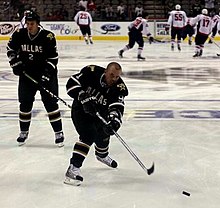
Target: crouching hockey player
<point>95,89</point>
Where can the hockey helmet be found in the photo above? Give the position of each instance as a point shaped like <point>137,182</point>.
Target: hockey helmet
<point>26,12</point>
<point>177,7</point>
<point>32,16</point>
<point>205,11</point>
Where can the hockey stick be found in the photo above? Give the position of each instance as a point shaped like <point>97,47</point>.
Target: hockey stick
<point>45,89</point>
<point>148,170</point>
<point>218,54</point>
<point>106,31</point>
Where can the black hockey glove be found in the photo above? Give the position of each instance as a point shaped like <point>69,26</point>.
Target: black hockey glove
<point>48,72</point>
<point>17,66</point>
<point>46,76</point>
<point>151,39</point>
<point>114,123</point>
<point>88,102</point>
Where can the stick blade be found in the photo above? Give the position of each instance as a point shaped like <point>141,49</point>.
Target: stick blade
<point>150,170</point>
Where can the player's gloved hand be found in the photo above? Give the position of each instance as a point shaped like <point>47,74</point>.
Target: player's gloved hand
<point>114,123</point>
<point>88,102</point>
<point>151,39</point>
<point>46,76</point>
<point>17,66</point>
<point>48,72</point>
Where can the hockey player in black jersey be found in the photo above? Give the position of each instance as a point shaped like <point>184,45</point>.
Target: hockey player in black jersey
<point>33,50</point>
<point>95,89</point>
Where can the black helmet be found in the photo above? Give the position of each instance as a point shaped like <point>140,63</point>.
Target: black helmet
<point>32,16</point>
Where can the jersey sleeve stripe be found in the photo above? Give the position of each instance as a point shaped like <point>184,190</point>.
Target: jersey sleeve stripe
<point>72,88</point>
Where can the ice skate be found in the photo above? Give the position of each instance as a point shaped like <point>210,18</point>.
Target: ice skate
<point>87,42</point>
<point>200,53</point>
<point>140,58</point>
<point>179,48</point>
<point>172,47</point>
<point>59,138</point>
<point>210,41</point>
<point>22,138</point>
<point>189,42</point>
<point>108,161</point>
<point>120,53</point>
<point>73,176</point>
<point>196,54</point>
<point>91,42</point>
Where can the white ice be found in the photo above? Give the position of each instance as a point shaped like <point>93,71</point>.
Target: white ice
<point>184,142</point>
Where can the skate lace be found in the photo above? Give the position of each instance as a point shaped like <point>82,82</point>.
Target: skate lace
<point>59,135</point>
<point>73,171</point>
<point>23,135</point>
<point>106,160</point>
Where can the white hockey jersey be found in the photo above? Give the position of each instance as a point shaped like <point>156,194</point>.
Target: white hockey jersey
<point>177,19</point>
<point>137,24</point>
<point>204,24</point>
<point>22,23</point>
<point>83,18</point>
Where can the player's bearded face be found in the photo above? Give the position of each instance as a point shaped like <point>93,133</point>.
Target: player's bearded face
<point>111,76</point>
<point>32,27</point>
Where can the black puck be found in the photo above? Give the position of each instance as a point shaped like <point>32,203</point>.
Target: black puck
<point>186,193</point>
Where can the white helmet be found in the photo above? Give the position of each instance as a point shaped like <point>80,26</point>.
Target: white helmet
<point>177,7</point>
<point>205,11</point>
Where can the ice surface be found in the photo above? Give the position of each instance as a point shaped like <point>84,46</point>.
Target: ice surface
<point>172,118</point>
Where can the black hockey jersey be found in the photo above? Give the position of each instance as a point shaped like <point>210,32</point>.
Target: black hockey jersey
<point>35,52</point>
<point>91,80</point>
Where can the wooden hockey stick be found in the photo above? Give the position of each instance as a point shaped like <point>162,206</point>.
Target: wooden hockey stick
<point>45,89</point>
<point>148,170</point>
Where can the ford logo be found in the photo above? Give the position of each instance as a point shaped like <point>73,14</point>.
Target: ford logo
<point>110,27</point>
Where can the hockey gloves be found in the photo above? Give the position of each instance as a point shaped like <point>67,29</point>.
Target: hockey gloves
<point>113,124</point>
<point>17,66</point>
<point>49,71</point>
<point>151,39</point>
<point>88,102</point>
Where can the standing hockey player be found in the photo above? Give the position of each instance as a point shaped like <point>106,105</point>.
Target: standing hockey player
<point>204,28</point>
<point>215,19</point>
<point>83,19</point>
<point>95,89</point>
<point>177,21</point>
<point>32,52</point>
<point>137,29</point>
<point>188,30</point>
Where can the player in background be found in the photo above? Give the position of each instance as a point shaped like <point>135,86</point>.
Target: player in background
<point>23,21</point>
<point>188,30</point>
<point>137,29</point>
<point>204,28</point>
<point>83,19</point>
<point>177,21</point>
<point>32,50</point>
<point>95,89</point>
<point>215,19</point>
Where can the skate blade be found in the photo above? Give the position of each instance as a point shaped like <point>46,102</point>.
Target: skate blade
<point>72,182</point>
<point>21,143</point>
<point>61,144</point>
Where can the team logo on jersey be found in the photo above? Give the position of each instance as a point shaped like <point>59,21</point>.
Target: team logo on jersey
<point>121,86</point>
<point>51,36</point>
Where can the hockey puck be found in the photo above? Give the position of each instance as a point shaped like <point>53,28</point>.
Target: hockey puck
<point>186,193</point>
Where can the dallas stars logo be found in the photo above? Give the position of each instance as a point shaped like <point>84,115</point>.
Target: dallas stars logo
<point>121,86</point>
<point>50,35</point>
